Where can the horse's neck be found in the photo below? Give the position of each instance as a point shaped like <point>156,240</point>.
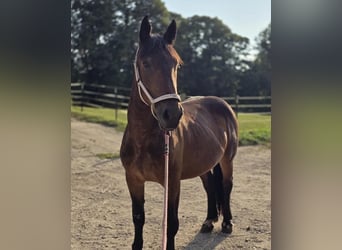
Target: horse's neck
<point>140,119</point>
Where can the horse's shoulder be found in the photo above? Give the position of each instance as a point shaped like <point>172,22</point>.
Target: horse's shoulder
<point>127,149</point>
<point>132,147</point>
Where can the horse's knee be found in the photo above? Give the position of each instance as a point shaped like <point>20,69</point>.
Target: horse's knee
<point>139,219</point>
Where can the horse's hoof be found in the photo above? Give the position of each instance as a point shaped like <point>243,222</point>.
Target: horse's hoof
<point>207,228</point>
<point>227,228</point>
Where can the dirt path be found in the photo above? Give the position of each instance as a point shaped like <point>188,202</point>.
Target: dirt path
<point>101,207</point>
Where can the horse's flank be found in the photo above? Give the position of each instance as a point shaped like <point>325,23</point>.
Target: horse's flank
<point>208,127</point>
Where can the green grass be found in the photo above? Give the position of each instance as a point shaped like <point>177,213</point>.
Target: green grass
<point>103,116</point>
<point>109,156</point>
<point>254,129</point>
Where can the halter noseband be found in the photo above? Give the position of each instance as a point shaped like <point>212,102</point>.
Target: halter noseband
<point>141,86</point>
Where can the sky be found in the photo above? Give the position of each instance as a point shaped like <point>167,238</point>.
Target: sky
<point>244,17</point>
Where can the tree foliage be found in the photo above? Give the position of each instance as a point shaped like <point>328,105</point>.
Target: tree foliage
<point>104,37</point>
<point>257,80</point>
<point>211,55</point>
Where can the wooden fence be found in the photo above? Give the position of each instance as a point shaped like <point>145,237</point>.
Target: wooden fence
<point>94,95</point>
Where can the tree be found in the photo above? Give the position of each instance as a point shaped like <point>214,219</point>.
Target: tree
<point>123,45</point>
<point>257,80</point>
<point>263,61</point>
<point>104,37</point>
<point>90,22</point>
<point>211,55</point>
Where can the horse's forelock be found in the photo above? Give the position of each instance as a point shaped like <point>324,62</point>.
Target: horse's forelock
<point>157,42</point>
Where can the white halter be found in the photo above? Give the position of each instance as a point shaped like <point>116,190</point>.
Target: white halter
<point>140,85</point>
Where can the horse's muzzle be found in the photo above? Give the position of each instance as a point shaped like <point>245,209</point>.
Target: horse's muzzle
<point>168,113</point>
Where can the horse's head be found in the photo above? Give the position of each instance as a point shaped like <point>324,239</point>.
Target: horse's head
<point>156,66</point>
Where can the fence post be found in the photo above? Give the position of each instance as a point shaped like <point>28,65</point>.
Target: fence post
<point>82,91</point>
<point>116,103</point>
<point>237,105</point>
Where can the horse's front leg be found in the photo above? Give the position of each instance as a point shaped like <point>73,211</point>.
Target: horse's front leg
<point>136,190</point>
<point>172,219</point>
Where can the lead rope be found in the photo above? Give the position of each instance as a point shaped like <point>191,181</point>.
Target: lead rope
<point>166,184</point>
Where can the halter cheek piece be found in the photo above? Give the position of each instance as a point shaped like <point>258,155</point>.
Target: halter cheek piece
<point>141,86</point>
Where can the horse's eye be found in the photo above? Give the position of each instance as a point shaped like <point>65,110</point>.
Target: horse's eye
<point>146,64</point>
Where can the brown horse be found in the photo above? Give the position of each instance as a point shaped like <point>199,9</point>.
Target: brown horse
<point>203,142</point>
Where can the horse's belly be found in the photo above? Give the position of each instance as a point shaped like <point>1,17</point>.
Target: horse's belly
<point>199,155</point>
<point>199,165</point>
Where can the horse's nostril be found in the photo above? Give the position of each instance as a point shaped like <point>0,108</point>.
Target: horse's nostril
<point>166,115</point>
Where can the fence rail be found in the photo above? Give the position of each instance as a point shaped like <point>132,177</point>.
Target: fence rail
<point>94,95</point>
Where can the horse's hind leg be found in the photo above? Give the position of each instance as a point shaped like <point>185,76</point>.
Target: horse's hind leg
<point>227,181</point>
<point>209,186</point>
<point>136,190</point>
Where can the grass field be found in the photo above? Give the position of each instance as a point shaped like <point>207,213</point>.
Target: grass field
<point>254,128</point>
<point>104,116</point>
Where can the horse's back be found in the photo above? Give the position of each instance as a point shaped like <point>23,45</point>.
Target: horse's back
<point>205,100</point>
<point>211,104</point>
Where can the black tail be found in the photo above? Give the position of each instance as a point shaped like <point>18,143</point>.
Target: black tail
<point>218,187</point>
<point>233,134</point>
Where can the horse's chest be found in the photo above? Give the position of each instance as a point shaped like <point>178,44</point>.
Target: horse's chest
<point>150,161</point>
<point>146,157</point>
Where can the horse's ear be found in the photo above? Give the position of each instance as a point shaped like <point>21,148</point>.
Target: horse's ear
<point>145,30</point>
<point>170,34</point>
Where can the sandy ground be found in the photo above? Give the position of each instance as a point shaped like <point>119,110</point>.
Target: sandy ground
<point>101,206</point>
